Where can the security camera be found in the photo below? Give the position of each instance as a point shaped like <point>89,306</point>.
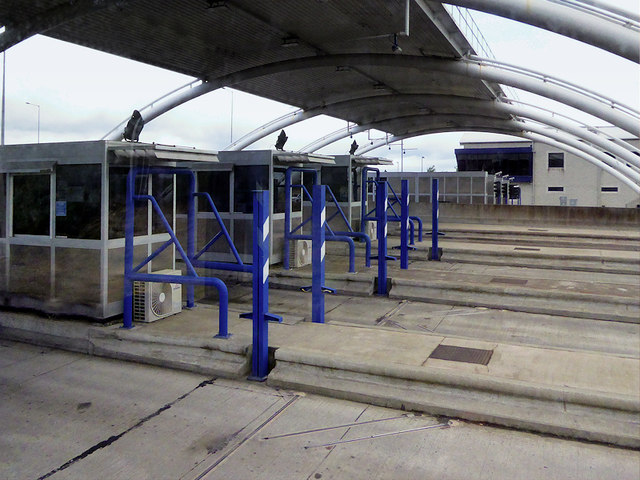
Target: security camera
<point>396,48</point>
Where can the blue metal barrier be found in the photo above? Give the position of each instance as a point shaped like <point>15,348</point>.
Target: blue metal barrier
<point>364,184</point>
<point>366,215</point>
<point>404,226</point>
<point>260,315</point>
<point>381,218</point>
<point>435,213</point>
<point>289,233</point>
<point>132,273</point>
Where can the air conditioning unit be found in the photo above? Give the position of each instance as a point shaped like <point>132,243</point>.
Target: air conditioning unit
<point>371,229</point>
<point>153,300</point>
<point>300,253</point>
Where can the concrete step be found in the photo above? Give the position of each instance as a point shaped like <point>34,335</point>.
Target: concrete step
<point>228,358</point>
<point>520,300</point>
<point>508,397</point>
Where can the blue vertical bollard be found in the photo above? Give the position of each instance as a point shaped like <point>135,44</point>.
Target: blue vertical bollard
<point>260,357</point>
<point>127,321</point>
<point>381,217</point>
<point>287,220</point>
<point>318,215</point>
<point>404,226</point>
<point>435,212</point>
<point>191,235</point>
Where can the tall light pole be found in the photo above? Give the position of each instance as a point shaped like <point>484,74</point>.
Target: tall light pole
<point>38,106</point>
<point>422,164</point>
<point>4,69</point>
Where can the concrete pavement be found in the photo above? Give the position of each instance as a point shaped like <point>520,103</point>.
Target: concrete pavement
<point>71,416</point>
<point>564,345</point>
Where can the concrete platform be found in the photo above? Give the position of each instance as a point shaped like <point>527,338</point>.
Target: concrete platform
<point>72,416</point>
<point>565,369</point>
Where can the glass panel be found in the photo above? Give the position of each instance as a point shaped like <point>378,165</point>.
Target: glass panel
<point>115,261</point>
<point>30,271</point>
<point>162,188</point>
<point>117,202</point>
<point>556,160</point>
<point>78,190</point>
<point>182,194</point>
<point>216,184</point>
<point>3,203</point>
<point>31,197</point>
<point>246,180</point>
<point>278,189</point>
<point>164,260</point>
<point>336,178</point>
<point>4,252</point>
<point>78,275</point>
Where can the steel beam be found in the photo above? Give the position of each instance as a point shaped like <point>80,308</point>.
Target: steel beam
<point>595,28</point>
<point>540,84</point>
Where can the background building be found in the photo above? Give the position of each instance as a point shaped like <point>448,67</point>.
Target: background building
<point>546,175</point>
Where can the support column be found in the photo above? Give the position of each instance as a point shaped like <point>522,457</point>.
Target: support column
<point>260,353</point>
<point>318,252</point>
<point>404,226</point>
<point>435,252</point>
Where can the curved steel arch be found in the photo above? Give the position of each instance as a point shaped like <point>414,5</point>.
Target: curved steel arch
<point>510,130</point>
<point>596,107</point>
<point>588,133</point>
<point>484,109</point>
<point>601,159</point>
<point>330,109</point>
<point>607,28</point>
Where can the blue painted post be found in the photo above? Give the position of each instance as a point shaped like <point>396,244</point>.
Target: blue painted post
<point>127,321</point>
<point>381,216</point>
<point>435,212</point>
<point>319,216</point>
<point>260,357</point>
<point>191,235</point>
<point>287,219</point>
<point>404,225</point>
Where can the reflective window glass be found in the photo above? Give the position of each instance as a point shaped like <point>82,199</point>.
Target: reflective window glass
<point>31,204</point>
<point>78,190</point>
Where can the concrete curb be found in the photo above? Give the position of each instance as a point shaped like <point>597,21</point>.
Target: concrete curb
<point>434,375</point>
<point>511,404</point>
<point>227,358</point>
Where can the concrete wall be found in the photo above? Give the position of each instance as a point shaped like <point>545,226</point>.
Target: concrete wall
<point>528,215</point>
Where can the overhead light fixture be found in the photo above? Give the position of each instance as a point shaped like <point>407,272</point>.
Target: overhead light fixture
<point>282,139</point>
<point>134,127</point>
<point>2,29</point>
<point>290,42</point>
<point>215,4</point>
<point>342,68</point>
<point>354,147</point>
<point>379,86</point>
<point>395,48</point>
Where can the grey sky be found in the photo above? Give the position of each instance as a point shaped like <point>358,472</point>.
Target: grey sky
<point>83,94</point>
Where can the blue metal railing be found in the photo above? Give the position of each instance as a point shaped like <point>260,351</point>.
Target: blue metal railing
<point>342,236</point>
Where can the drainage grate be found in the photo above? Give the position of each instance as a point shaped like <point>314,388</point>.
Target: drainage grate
<point>514,281</point>
<point>462,354</point>
<point>527,248</point>
<point>537,230</point>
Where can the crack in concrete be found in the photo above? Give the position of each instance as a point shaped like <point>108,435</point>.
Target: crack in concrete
<point>114,438</point>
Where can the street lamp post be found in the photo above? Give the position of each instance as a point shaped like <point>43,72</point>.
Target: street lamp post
<point>38,107</point>
<point>422,164</point>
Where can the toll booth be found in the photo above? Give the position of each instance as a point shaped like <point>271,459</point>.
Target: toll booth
<point>62,214</point>
<point>344,179</point>
<point>236,176</point>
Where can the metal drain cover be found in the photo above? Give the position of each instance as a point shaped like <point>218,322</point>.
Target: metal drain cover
<point>462,354</point>
<point>514,281</point>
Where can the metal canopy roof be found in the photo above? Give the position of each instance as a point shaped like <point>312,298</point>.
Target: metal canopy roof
<point>208,39</point>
